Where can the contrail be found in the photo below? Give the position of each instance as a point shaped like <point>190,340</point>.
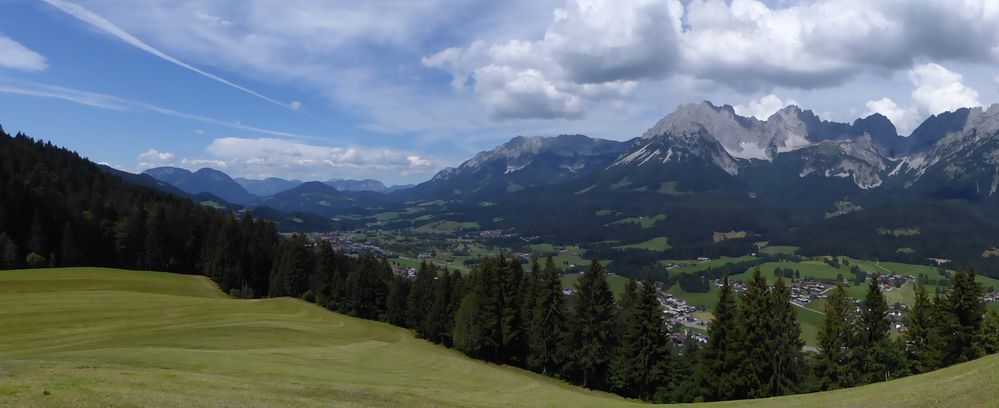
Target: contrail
<point>83,14</point>
<point>110,102</point>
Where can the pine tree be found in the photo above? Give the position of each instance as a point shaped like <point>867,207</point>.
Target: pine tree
<point>964,303</point>
<point>643,364</point>
<point>321,281</point>
<point>786,357</point>
<point>758,343</point>
<point>919,326</point>
<point>396,302</point>
<point>441,318</point>
<point>987,339</point>
<point>548,324</point>
<point>833,364</point>
<point>874,352</point>
<point>478,327</point>
<point>593,327</point>
<point>513,348</point>
<point>683,376</point>
<point>717,376</point>
<point>874,315</point>
<point>420,298</point>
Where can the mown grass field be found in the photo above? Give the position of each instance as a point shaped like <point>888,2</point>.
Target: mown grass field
<point>88,337</point>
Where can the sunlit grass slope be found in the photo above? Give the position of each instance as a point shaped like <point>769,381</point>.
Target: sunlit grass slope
<point>99,337</point>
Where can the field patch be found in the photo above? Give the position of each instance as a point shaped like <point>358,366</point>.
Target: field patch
<point>654,244</point>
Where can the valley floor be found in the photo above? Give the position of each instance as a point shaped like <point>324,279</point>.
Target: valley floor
<point>99,337</point>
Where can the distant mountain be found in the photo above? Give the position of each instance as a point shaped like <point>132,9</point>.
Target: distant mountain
<point>399,187</point>
<point>786,130</point>
<point>524,162</point>
<point>205,180</point>
<point>312,197</point>
<point>358,185</point>
<point>267,186</point>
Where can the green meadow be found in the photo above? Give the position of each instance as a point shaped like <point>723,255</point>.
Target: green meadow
<point>91,337</point>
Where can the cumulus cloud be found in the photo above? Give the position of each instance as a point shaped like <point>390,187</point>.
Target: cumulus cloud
<point>512,94</point>
<point>155,158</point>
<point>939,89</point>
<point>764,107</point>
<point>905,119</point>
<point>266,157</point>
<point>19,57</point>
<point>745,45</point>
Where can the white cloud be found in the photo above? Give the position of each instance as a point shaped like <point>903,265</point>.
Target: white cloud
<point>511,94</point>
<point>764,107</point>
<point>13,55</point>
<point>939,89</point>
<point>905,119</point>
<point>295,105</point>
<point>264,157</point>
<point>155,158</point>
<point>745,45</point>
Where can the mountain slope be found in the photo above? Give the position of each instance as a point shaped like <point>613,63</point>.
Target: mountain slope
<point>358,185</point>
<point>311,197</point>
<point>267,186</point>
<point>205,180</point>
<point>210,350</point>
<point>521,163</point>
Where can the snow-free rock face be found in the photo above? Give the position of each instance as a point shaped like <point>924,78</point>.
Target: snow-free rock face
<point>679,145</point>
<point>524,162</point>
<point>965,158</point>
<point>857,159</point>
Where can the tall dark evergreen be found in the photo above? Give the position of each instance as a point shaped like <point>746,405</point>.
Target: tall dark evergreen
<point>874,315</point>
<point>420,299</point>
<point>514,330</point>
<point>593,324</point>
<point>786,357</point>
<point>441,318</point>
<point>642,367</point>
<point>963,302</point>
<point>919,325</point>
<point>834,367</point>
<point>718,374</point>
<point>548,323</point>
<point>758,341</point>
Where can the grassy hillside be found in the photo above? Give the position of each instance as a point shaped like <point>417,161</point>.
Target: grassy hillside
<point>97,337</point>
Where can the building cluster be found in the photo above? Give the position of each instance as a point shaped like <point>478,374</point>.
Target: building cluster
<point>807,291</point>
<point>346,245</point>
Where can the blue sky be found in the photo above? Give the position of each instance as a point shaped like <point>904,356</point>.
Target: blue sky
<point>397,90</point>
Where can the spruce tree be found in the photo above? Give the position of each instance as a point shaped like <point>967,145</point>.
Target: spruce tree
<point>758,343</point>
<point>874,354</point>
<point>441,315</point>
<point>833,364</point>
<point>987,339</point>
<point>396,302</point>
<point>420,299</point>
<point>594,321</point>
<point>964,303</point>
<point>919,325</point>
<point>717,376</point>
<point>548,323</point>
<point>874,315</point>
<point>786,357</point>
<point>513,348</point>
<point>643,364</point>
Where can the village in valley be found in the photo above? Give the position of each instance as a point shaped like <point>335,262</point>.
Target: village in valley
<point>686,320</point>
